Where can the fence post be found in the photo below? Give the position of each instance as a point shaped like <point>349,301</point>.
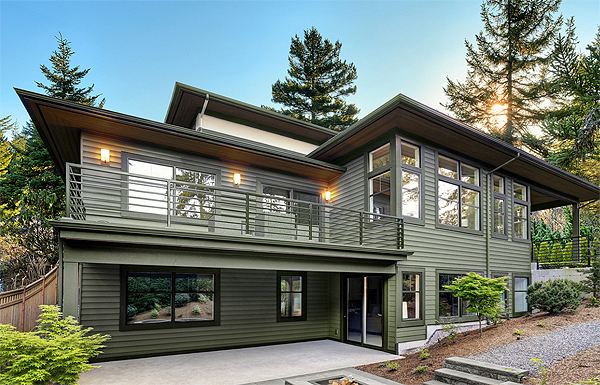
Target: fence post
<point>23,306</point>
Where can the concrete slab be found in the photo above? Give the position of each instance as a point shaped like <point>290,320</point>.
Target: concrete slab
<point>235,366</point>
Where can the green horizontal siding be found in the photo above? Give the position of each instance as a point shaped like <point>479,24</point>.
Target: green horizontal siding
<point>413,333</point>
<point>248,314</point>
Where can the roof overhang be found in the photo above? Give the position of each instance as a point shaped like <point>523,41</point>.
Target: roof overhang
<point>551,186</point>
<point>60,123</point>
<point>188,101</point>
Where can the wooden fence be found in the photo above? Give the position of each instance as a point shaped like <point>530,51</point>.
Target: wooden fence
<point>21,307</point>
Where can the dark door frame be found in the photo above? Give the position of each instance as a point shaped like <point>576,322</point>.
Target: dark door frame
<point>384,309</point>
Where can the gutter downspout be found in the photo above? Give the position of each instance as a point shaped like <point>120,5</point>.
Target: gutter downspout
<point>201,114</point>
<point>488,216</point>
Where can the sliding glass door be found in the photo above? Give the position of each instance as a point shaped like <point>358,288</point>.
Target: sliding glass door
<point>364,309</point>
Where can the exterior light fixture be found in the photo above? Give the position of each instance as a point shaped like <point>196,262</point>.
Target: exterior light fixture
<point>327,195</point>
<point>237,178</point>
<point>104,155</point>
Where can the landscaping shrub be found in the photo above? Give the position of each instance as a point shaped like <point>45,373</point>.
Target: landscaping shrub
<point>554,295</point>
<point>56,352</point>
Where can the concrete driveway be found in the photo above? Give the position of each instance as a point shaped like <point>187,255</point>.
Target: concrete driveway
<point>235,366</point>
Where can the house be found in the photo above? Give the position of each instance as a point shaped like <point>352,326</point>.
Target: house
<point>229,225</point>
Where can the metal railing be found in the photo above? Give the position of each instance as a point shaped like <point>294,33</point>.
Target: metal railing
<point>565,252</point>
<point>102,194</point>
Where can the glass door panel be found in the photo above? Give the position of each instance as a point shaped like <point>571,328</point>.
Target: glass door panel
<point>374,319</point>
<point>364,313</point>
<point>354,308</point>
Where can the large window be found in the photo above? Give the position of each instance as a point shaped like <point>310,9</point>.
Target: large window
<point>499,205</point>
<point>292,296</point>
<point>277,203</point>
<point>520,211</point>
<point>188,197</point>
<point>380,176</point>
<point>164,298</point>
<point>411,296</point>
<point>458,194</point>
<point>520,289</point>
<point>448,304</point>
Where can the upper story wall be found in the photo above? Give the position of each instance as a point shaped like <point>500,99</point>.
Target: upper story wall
<point>255,134</point>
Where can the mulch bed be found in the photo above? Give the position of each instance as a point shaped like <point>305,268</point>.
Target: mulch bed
<point>469,344</point>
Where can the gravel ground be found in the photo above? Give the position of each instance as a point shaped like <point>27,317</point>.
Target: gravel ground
<point>550,347</point>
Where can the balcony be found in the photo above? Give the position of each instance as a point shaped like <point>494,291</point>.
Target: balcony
<point>104,195</point>
<point>565,252</point>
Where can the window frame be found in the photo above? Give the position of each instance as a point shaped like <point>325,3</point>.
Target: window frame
<point>461,317</point>
<point>460,184</point>
<point>285,273</point>
<point>216,321</point>
<point>290,205</point>
<point>127,213</point>
<point>416,321</point>
<point>504,197</point>
<point>514,297</point>
<point>396,168</point>
<point>527,203</point>
<point>507,309</point>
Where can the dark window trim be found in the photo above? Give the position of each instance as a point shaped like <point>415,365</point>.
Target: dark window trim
<point>504,197</point>
<point>514,277</point>
<point>461,318</point>
<point>124,326</point>
<point>303,274</point>
<point>411,322</point>
<point>507,307</point>
<point>457,182</point>
<point>527,204</point>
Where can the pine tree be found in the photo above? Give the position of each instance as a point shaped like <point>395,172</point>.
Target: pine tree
<point>318,81</point>
<point>64,79</point>
<point>572,130</point>
<point>503,91</point>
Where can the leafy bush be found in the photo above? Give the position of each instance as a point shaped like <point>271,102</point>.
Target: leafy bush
<point>56,352</point>
<point>554,295</point>
<point>420,369</point>
<point>591,283</point>
<point>594,302</point>
<point>424,354</point>
<point>393,366</point>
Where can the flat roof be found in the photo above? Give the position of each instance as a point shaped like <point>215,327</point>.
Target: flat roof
<point>60,123</point>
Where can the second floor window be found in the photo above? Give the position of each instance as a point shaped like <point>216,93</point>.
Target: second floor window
<point>458,194</point>
<point>278,202</point>
<point>520,211</point>
<point>380,174</point>
<point>499,205</point>
<point>191,198</point>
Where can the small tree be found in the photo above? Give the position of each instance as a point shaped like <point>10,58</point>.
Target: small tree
<point>482,295</point>
<point>591,284</point>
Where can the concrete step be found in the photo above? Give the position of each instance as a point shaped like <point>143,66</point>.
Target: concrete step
<point>484,369</point>
<point>434,382</point>
<point>456,377</point>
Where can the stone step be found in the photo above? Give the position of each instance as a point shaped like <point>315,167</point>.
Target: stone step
<point>434,382</point>
<point>485,369</point>
<point>456,377</point>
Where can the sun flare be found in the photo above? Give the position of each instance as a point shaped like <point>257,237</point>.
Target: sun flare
<point>499,114</point>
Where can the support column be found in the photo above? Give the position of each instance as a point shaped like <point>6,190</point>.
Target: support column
<point>70,292</point>
<point>576,254</point>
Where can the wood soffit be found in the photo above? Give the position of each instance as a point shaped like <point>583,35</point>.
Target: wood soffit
<point>463,142</point>
<point>60,124</point>
<point>188,101</point>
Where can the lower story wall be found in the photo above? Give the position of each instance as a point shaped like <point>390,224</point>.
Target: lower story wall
<point>248,314</point>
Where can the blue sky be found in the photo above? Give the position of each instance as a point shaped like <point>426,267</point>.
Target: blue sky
<point>137,50</point>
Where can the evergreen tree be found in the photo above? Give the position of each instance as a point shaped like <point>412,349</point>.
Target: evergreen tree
<point>503,89</point>
<point>317,83</point>
<point>64,79</point>
<point>572,130</point>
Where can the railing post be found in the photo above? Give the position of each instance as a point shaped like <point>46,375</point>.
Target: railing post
<point>247,213</point>
<point>168,204</point>
<point>310,221</point>
<point>399,235</point>
<point>360,226</point>
<point>68,191</point>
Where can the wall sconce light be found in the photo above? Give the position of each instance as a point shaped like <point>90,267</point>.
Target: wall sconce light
<point>327,195</point>
<point>237,178</point>
<point>104,155</point>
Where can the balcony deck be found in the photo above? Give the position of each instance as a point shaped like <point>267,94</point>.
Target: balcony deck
<point>100,194</point>
<point>565,252</point>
